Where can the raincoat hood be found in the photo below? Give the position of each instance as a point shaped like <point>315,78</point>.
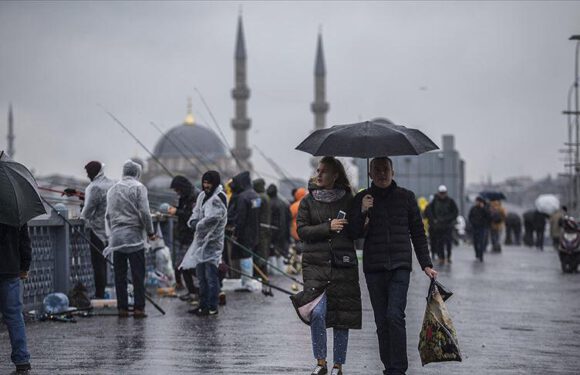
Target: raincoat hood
<point>241,182</point>
<point>182,185</point>
<point>259,185</point>
<point>131,169</point>
<point>272,191</point>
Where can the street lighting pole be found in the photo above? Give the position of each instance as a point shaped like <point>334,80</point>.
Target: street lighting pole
<point>577,123</point>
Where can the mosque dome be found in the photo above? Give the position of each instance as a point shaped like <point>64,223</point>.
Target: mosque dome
<point>192,140</point>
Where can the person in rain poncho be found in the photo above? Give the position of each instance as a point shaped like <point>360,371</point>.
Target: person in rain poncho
<point>128,220</point>
<point>93,214</point>
<point>209,218</point>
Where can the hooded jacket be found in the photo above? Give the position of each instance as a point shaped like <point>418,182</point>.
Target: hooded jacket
<point>320,274</point>
<point>442,213</point>
<point>244,215</point>
<point>209,218</point>
<point>95,207</point>
<point>265,217</point>
<point>298,195</point>
<point>280,219</point>
<point>128,218</point>
<point>187,199</point>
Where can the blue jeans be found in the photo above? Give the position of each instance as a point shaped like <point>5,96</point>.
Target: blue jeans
<point>11,309</point>
<point>388,293</point>
<point>318,332</point>
<point>209,285</point>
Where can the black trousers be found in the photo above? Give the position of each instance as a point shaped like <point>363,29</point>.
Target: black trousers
<point>442,240</point>
<point>137,262</point>
<point>388,293</point>
<point>99,266</point>
<point>187,275</point>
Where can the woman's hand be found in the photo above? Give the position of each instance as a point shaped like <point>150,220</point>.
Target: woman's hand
<point>336,225</point>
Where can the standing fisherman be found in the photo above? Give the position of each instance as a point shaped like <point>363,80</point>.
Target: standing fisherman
<point>128,219</point>
<point>93,214</point>
<point>187,198</point>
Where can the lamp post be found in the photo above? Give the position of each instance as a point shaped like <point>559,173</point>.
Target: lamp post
<point>576,113</point>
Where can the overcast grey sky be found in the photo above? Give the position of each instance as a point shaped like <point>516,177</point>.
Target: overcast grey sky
<point>494,74</point>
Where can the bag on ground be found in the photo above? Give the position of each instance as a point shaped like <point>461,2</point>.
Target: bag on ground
<point>438,339</point>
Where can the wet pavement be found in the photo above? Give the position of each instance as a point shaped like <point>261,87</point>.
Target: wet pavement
<point>516,313</point>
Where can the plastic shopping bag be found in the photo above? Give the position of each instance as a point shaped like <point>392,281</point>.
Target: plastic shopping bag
<point>438,339</point>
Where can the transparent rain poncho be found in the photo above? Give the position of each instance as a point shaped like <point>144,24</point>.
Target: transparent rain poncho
<point>96,204</point>
<point>128,219</point>
<point>209,220</point>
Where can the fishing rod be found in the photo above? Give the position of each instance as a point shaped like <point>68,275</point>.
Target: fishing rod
<point>276,167</point>
<point>217,126</point>
<point>70,193</point>
<point>199,157</point>
<point>262,259</point>
<point>266,283</point>
<point>138,141</point>
<point>94,248</point>
<point>177,148</point>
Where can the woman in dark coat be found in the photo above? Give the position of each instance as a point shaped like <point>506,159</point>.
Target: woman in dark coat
<point>331,296</point>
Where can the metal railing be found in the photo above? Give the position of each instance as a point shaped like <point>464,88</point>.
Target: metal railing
<point>61,257</point>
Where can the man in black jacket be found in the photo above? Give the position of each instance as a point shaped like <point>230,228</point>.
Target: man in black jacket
<point>388,217</point>
<point>16,254</point>
<point>280,222</point>
<point>442,214</point>
<point>244,219</point>
<point>480,219</point>
<point>184,234</point>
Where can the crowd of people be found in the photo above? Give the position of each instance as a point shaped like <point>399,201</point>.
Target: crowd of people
<point>243,229</point>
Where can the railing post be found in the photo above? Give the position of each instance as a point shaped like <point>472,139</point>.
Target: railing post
<point>62,254</point>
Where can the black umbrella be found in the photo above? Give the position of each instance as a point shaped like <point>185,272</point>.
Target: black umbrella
<point>492,195</point>
<point>366,140</point>
<point>19,198</point>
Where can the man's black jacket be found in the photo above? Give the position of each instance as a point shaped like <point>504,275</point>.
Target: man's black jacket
<point>244,214</point>
<point>394,221</point>
<point>15,250</point>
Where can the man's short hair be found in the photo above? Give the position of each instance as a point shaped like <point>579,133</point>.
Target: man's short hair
<point>380,158</point>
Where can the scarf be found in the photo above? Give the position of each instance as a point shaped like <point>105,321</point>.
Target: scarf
<point>328,196</point>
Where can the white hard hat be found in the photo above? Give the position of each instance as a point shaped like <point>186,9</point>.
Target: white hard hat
<point>442,189</point>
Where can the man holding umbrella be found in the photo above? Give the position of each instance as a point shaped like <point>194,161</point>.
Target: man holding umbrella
<point>388,217</point>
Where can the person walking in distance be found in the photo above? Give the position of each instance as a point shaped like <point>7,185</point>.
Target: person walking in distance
<point>442,214</point>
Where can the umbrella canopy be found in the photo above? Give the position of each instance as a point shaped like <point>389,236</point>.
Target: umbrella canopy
<point>19,198</point>
<point>547,203</point>
<point>366,140</point>
<point>492,195</point>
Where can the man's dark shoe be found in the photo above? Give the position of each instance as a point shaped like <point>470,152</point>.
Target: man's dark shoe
<point>195,311</point>
<point>23,368</point>
<point>139,314</point>
<point>186,297</point>
<point>222,298</point>
<point>319,370</point>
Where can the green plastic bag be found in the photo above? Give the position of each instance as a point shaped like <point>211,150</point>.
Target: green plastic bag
<point>438,339</point>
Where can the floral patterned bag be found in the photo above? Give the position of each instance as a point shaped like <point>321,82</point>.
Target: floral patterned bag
<point>438,339</point>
